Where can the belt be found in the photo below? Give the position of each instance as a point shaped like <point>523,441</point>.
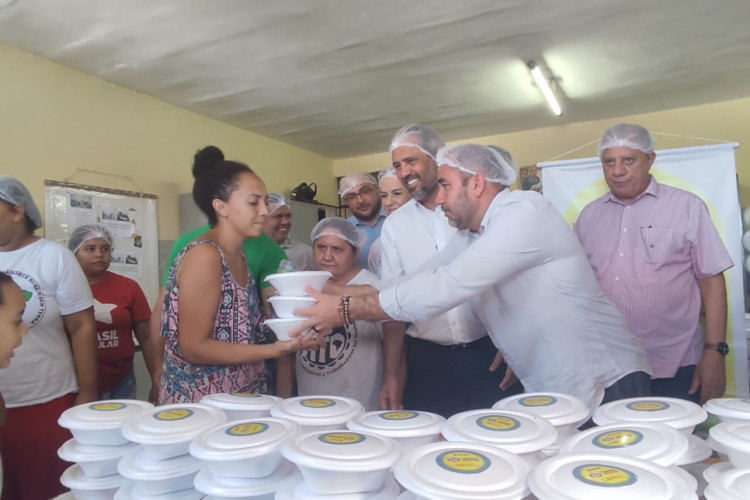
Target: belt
<point>463,346</point>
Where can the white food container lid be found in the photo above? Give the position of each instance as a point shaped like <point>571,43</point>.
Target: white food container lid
<point>236,487</point>
<point>139,466</point>
<point>74,478</point>
<point>172,423</point>
<point>734,435</point>
<point>732,484</point>
<point>102,415</point>
<point>677,413</point>
<point>128,492</point>
<point>241,401</point>
<point>652,441</point>
<point>463,471</point>
<point>698,450</point>
<point>342,451</point>
<point>302,491</point>
<point>73,451</point>
<point>513,431</point>
<point>597,476</point>
<point>397,423</point>
<point>243,439</point>
<point>712,472</point>
<point>735,408</point>
<point>557,408</point>
<point>318,410</point>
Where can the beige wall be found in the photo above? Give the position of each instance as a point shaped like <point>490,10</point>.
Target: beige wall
<point>54,121</point>
<point>724,121</point>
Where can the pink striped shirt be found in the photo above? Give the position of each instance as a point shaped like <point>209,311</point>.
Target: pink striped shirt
<point>648,257</point>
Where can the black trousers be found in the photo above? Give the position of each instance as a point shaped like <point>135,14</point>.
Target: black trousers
<point>450,379</point>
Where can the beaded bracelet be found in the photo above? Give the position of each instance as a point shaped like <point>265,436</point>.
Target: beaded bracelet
<point>344,310</point>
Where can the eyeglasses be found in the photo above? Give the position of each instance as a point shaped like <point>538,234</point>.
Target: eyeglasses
<point>362,193</point>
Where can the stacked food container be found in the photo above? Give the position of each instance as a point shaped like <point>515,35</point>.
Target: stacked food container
<point>97,446</point>
<point>292,295</point>
<point>729,479</point>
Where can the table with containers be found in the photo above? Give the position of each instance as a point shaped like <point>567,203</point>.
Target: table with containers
<point>527,447</point>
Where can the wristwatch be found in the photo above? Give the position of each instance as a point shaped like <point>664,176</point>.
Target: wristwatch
<point>721,347</point>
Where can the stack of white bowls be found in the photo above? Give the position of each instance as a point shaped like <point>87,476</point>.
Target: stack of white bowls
<point>97,446</point>
<point>161,465</point>
<point>408,428</point>
<point>242,459</point>
<point>730,478</point>
<point>292,295</point>
<point>318,412</point>
<point>242,405</point>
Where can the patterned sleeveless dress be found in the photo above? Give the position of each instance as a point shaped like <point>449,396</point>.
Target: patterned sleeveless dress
<point>238,320</point>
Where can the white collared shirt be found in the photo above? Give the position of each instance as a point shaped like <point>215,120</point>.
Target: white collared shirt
<point>534,290</point>
<point>411,238</point>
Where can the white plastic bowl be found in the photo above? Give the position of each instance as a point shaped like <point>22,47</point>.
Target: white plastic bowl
<point>166,431</point>
<point>284,306</point>
<point>128,492</point>
<point>678,413</point>
<point>735,438</point>
<point>711,472</point>
<point>729,485</point>
<point>248,449</point>
<point>282,326</point>
<point>407,428</point>
<point>158,477</point>
<point>100,423</point>
<point>241,405</point>
<point>729,409</point>
<point>235,488</point>
<point>698,450</point>
<point>318,412</point>
<point>600,476</point>
<point>95,461</point>
<point>342,461</point>
<point>462,471</point>
<point>563,411</point>
<point>655,442</point>
<point>294,283</point>
<point>86,488</point>
<point>302,491</point>
<point>520,433</point>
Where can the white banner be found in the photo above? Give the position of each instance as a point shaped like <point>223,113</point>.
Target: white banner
<point>707,171</point>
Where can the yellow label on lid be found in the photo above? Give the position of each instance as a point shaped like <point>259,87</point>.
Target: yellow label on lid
<point>537,401</point>
<point>604,475</point>
<point>463,462</point>
<point>317,403</point>
<point>342,438</point>
<point>172,415</point>
<point>107,406</point>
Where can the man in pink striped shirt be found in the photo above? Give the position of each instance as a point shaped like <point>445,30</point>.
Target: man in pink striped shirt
<point>658,257</point>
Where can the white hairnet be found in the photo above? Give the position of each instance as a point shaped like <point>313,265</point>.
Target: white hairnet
<point>351,181</point>
<point>15,193</point>
<point>628,135</point>
<point>388,172</point>
<point>475,158</point>
<point>340,228</point>
<point>276,201</point>
<point>418,136</point>
<point>88,232</point>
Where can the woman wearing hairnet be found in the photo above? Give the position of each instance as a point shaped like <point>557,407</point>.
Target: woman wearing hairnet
<point>350,362</point>
<point>121,310</point>
<point>55,368</point>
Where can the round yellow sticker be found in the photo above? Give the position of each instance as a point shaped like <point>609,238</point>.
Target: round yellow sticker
<point>538,401</point>
<point>604,475</point>
<point>247,429</point>
<point>463,462</point>
<point>398,415</point>
<point>246,394</point>
<point>498,423</point>
<point>342,438</point>
<point>175,414</point>
<point>618,439</point>
<point>106,406</point>
<point>648,406</point>
<point>317,403</point>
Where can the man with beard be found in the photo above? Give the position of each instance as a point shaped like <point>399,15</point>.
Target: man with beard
<point>528,279</point>
<point>450,361</point>
<point>361,195</point>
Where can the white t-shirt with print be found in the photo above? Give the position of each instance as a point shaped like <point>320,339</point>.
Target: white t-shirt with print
<point>54,285</point>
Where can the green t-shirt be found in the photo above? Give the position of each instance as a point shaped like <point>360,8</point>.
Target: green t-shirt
<point>263,255</point>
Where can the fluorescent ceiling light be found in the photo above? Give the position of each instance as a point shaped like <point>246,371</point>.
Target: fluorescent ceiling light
<point>543,85</point>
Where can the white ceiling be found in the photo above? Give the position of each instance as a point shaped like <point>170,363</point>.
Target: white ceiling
<point>339,77</point>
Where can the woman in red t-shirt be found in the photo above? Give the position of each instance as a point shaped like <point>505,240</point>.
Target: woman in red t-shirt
<point>120,309</point>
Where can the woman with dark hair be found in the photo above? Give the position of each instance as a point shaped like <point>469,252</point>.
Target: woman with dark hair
<point>212,314</point>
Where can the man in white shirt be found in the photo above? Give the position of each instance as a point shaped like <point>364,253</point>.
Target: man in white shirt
<point>450,364</point>
<point>529,280</point>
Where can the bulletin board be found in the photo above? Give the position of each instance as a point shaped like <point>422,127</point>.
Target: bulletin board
<point>130,217</point>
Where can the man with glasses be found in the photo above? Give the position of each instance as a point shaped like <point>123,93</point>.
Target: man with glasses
<point>361,195</point>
